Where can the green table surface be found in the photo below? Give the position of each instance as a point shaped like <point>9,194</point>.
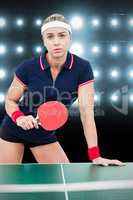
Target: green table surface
<point>34,175</point>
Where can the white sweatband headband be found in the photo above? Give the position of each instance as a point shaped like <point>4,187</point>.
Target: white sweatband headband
<point>56,24</point>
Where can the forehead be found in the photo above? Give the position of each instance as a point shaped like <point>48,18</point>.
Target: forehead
<point>56,30</point>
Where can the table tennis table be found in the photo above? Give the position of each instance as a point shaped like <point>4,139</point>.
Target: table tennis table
<point>74,181</point>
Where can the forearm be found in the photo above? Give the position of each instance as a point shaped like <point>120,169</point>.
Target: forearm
<point>11,106</point>
<point>89,127</point>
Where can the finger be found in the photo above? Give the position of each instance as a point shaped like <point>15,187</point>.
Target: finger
<point>26,124</point>
<point>29,124</point>
<point>114,162</point>
<point>100,163</point>
<point>105,164</point>
<point>117,162</point>
<point>23,125</point>
<point>34,121</point>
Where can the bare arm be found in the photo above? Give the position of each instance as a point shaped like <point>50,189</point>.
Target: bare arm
<point>86,107</point>
<point>13,95</point>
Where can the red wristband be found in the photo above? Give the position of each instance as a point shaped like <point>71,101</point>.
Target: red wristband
<point>93,153</point>
<point>16,114</point>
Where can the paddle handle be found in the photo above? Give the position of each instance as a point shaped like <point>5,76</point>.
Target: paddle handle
<point>38,121</point>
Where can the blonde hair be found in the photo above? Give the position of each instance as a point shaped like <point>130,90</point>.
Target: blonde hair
<point>55,17</point>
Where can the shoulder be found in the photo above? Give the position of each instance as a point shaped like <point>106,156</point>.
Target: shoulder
<point>27,64</point>
<point>81,63</point>
<point>25,70</point>
<point>84,70</point>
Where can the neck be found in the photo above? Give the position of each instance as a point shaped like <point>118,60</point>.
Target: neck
<point>56,62</point>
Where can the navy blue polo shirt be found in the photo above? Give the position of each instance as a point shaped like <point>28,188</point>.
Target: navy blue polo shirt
<point>35,75</point>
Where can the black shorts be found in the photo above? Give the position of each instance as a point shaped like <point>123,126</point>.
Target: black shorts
<point>9,131</point>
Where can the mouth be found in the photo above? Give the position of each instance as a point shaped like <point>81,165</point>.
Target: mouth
<point>57,49</point>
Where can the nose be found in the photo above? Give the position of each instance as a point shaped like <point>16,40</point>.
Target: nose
<point>56,41</point>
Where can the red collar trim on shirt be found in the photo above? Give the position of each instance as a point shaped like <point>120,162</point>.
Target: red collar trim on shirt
<point>43,66</point>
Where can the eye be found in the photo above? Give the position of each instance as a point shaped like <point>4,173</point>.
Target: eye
<point>62,35</point>
<point>50,36</point>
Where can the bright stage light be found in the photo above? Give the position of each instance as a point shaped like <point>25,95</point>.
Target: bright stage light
<point>38,22</point>
<point>130,49</point>
<point>2,22</point>
<point>114,98</point>
<point>2,97</point>
<point>96,73</point>
<point>130,22</point>
<point>77,49</point>
<point>114,22</point>
<point>131,97</point>
<point>2,49</point>
<point>114,49</point>
<point>19,22</point>
<point>96,98</point>
<point>76,22</point>
<point>95,22</point>
<point>38,49</point>
<point>2,73</point>
<point>95,49</point>
<point>114,73</point>
<point>19,49</point>
<point>131,73</point>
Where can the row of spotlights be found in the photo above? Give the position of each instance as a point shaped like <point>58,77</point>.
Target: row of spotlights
<point>77,22</point>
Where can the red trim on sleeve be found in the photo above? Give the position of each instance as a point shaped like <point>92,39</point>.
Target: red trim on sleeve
<point>90,81</point>
<point>20,81</point>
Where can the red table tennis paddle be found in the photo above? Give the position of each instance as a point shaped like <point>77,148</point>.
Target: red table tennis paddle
<point>52,115</point>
